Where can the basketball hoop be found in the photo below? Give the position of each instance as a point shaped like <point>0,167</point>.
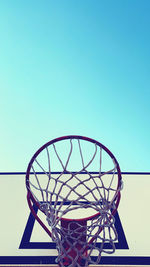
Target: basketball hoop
<point>76,181</point>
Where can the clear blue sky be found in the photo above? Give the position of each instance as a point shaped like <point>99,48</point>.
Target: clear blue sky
<point>75,67</point>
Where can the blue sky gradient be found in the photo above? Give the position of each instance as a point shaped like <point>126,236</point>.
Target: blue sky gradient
<point>75,67</point>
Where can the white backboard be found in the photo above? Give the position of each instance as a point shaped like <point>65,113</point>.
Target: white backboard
<point>23,241</point>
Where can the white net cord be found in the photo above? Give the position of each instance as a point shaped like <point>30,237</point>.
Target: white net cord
<point>62,195</point>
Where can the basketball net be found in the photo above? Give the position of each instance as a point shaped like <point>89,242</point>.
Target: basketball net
<point>79,204</point>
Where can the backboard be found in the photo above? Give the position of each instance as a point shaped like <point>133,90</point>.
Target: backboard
<point>24,242</point>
